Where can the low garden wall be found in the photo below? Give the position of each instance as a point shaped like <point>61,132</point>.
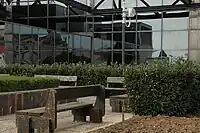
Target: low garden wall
<point>10,102</point>
<point>20,92</point>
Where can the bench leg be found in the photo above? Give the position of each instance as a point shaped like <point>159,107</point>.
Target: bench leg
<point>23,123</point>
<point>115,105</point>
<point>40,124</point>
<point>95,116</point>
<point>80,114</point>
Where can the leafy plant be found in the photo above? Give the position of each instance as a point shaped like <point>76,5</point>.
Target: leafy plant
<point>169,88</point>
<point>20,83</point>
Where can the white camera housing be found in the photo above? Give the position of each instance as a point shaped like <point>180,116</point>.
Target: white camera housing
<point>131,12</point>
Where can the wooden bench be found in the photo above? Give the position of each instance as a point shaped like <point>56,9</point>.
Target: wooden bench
<point>117,101</point>
<point>115,80</point>
<point>72,79</point>
<point>44,119</point>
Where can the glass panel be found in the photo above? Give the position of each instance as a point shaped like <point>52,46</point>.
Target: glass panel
<point>102,48</point>
<point>16,28</point>
<point>149,24</point>
<point>28,46</point>
<point>86,49</point>
<point>35,30</point>
<point>25,30</point>
<point>147,55</point>
<point>175,40</point>
<point>46,47</point>
<point>97,44</point>
<point>86,43</point>
<point>70,41</point>
<point>175,24</point>
<point>8,27</point>
<point>61,49</point>
<point>173,54</point>
<point>76,54</point>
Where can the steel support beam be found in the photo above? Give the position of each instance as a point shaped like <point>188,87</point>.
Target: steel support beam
<point>98,4</point>
<point>147,5</point>
<point>114,4</point>
<point>175,2</point>
<point>120,3</point>
<point>76,5</point>
<point>186,2</point>
<point>164,8</point>
<point>105,18</point>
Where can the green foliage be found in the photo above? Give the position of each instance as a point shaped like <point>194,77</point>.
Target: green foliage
<point>87,73</point>
<point>169,88</point>
<point>19,70</point>
<point>20,83</point>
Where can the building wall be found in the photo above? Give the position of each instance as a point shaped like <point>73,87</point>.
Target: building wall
<point>194,33</point>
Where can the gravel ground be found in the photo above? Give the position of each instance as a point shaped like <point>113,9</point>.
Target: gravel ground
<point>65,123</point>
<point>159,124</point>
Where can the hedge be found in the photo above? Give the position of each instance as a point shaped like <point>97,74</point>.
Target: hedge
<point>172,89</point>
<point>157,88</point>
<point>20,83</point>
<point>87,73</point>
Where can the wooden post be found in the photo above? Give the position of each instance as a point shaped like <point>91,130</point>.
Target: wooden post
<point>123,108</point>
<point>22,101</point>
<point>15,106</point>
<point>8,104</point>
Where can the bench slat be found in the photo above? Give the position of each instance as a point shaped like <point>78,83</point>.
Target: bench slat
<point>72,105</point>
<point>116,80</point>
<point>60,108</point>
<point>115,89</point>
<point>120,96</point>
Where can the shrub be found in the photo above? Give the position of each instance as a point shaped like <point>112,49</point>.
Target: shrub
<point>19,70</point>
<point>87,73</point>
<point>156,88</point>
<point>20,83</point>
<point>171,89</point>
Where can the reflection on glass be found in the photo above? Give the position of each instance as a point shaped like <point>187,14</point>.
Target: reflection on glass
<point>175,40</point>
<point>175,24</point>
<point>150,24</point>
<point>46,47</point>
<point>61,49</point>
<point>8,27</point>
<point>86,43</point>
<point>16,28</point>
<point>76,54</point>
<point>25,29</point>
<point>70,41</point>
<point>28,47</point>
<point>85,49</point>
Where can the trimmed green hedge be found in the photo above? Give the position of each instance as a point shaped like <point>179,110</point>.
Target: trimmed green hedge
<point>156,88</point>
<point>20,83</point>
<point>87,73</point>
<point>172,89</point>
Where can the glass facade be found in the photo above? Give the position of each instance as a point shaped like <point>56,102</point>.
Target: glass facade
<point>80,36</point>
<point>33,45</point>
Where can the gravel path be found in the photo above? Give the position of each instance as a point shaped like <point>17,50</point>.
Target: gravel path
<point>65,123</point>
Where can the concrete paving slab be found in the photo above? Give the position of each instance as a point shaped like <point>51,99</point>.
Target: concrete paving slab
<point>65,121</point>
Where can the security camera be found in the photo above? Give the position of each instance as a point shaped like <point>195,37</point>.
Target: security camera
<point>131,12</point>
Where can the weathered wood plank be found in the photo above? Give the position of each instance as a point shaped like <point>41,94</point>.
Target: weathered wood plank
<point>116,80</point>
